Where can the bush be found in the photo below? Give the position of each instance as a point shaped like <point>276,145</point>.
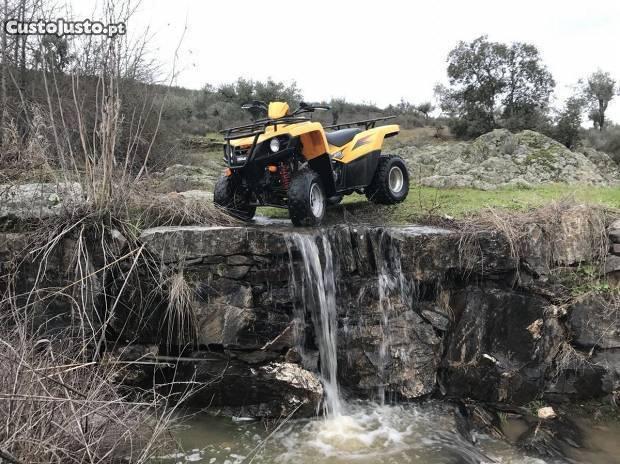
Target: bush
<point>607,141</point>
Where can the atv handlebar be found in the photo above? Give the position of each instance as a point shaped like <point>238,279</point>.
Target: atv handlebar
<point>306,108</point>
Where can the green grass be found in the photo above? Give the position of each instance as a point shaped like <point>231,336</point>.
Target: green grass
<point>459,202</point>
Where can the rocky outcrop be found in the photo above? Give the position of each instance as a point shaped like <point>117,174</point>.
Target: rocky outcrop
<point>502,159</point>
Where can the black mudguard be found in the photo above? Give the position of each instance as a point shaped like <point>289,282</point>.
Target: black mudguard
<point>323,166</point>
<point>360,172</point>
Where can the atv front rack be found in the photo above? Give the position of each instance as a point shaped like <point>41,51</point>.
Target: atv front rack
<point>255,130</point>
<point>258,127</point>
<point>367,123</point>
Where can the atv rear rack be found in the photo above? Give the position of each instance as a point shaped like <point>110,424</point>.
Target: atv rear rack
<point>367,123</point>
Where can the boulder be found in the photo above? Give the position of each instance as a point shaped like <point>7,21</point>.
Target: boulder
<point>33,202</point>
<point>401,358</point>
<point>502,159</point>
<point>546,413</point>
<point>567,239</point>
<point>273,390</point>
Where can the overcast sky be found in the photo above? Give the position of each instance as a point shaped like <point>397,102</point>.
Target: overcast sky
<point>374,50</point>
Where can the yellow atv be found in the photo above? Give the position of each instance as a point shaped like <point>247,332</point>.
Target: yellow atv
<point>289,161</point>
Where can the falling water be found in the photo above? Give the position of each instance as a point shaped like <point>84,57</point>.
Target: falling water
<point>391,286</point>
<point>318,294</point>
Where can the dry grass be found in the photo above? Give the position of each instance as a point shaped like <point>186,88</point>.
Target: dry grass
<point>60,388</point>
<point>543,227</point>
<point>59,408</point>
<point>180,317</point>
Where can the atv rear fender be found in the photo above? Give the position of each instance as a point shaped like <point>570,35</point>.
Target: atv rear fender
<point>365,142</point>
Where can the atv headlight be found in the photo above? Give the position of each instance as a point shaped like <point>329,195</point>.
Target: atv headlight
<point>274,145</point>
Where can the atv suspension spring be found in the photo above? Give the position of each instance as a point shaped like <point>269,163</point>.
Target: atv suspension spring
<point>285,175</point>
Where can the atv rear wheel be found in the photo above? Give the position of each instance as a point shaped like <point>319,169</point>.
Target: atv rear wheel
<point>306,199</point>
<point>391,182</point>
<point>229,196</point>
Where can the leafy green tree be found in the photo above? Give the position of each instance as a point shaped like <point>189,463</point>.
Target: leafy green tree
<point>568,123</point>
<point>425,108</point>
<point>528,85</point>
<point>493,84</point>
<point>600,90</point>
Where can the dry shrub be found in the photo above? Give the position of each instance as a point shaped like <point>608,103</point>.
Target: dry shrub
<point>61,394</point>
<point>21,155</point>
<point>151,210</point>
<point>58,408</point>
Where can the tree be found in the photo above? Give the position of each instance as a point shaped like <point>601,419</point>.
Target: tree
<point>425,108</point>
<point>53,54</point>
<point>528,87</point>
<point>599,90</point>
<point>337,106</point>
<point>492,82</point>
<point>568,123</point>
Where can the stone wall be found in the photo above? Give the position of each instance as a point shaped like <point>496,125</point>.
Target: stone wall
<point>421,311</point>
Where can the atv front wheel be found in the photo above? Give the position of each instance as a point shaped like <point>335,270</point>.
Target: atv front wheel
<point>391,182</point>
<point>229,196</point>
<point>306,199</point>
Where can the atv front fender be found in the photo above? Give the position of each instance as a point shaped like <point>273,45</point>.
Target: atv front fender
<point>323,167</point>
<point>312,138</point>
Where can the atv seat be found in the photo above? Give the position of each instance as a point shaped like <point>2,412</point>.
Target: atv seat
<point>341,137</point>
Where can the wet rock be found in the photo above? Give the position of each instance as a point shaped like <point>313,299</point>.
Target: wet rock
<point>409,368</point>
<point>551,438</point>
<point>594,322</point>
<point>232,272</point>
<point>438,319</point>
<point>246,328</point>
<point>225,291</point>
<point>491,354</point>
<point>575,377</point>
<point>273,390</point>
<point>609,362</point>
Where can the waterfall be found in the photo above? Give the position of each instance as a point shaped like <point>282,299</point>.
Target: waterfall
<point>391,286</point>
<point>317,290</point>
